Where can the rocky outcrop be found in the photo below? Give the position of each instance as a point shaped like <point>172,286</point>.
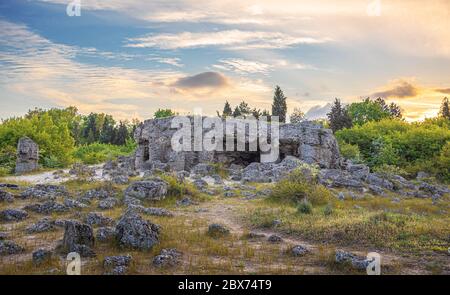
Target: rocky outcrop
<point>78,237</point>
<point>6,197</point>
<point>167,258</point>
<point>136,233</point>
<point>116,265</point>
<point>10,248</point>
<point>306,141</point>
<point>10,215</point>
<point>154,189</point>
<point>27,156</point>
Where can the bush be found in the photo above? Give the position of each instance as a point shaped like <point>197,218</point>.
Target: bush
<point>328,210</point>
<point>389,170</point>
<point>350,151</point>
<point>96,153</point>
<point>179,189</point>
<point>409,146</point>
<point>297,187</point>
<point>304,207</point>
<point>4,171</point>
<point>50,130</point>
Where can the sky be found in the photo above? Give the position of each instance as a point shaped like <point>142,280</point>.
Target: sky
<point>129,58</point>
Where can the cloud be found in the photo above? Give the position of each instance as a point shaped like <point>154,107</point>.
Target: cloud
<point>173,61</point>
<point>202,80</point>
<point>318,111</point>
<point>243,66</point>
<point>443,90</point>
<point>401,89</point>
<point>230,39</point>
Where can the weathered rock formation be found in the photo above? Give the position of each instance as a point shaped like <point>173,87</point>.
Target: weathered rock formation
<point>307,141</point>
<point>27,156</point>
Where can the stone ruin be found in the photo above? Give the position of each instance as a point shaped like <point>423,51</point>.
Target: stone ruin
<point>307,141</point>
<point>27,156</point>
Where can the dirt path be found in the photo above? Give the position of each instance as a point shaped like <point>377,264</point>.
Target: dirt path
<point>227,212</point>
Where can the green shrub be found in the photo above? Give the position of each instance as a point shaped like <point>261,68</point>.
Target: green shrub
<point>350,151</point>
<point>409,146</point>
<point>179,189</point>
<point>297,187</point>
<point>389,170</point>
<point>304,207</point>
<point>52,162</point>
<point>4,171</point>
<point>328,210</point>
<point>100,152</point>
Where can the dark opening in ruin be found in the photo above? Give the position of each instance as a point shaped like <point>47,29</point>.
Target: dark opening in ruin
<point>146,155</point>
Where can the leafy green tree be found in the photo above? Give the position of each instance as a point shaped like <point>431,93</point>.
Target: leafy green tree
<point>367,110</point>
<point>393,109</point>
<point>445,109</point>
<point>279,106</point>
<point>122,134</point>
<point>164,113</point>
<point>108,132</point>
<point>338,117</point>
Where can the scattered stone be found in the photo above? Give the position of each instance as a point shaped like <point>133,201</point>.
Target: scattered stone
<point>44,192</point>
<point>99,193</point>
<point>186,201</point>
<point>108,203</point>
<point>27,156</point>
<point>9,215</point>
<point>203,169</point>
<point>217,230</point>
<point>6,197</point>
<point>254,235</point>
<point>43,225</point>
<point>3,236</point>
<point>128,201</point>
<point>82,170</point>
<point>71,203</point>
<point>359,263</point>
<point>116,265</point>
<point>157,212</point>
<point>248,195</point>
<point>276,223</point>
<point>299,250</point>
<point>229,194</point>
<point>154,189</point>
<point>376,189</point>
<point>120,179</point>
<point>167,258</point>
<point>358,171</point>
<point>97,219</point>
<point>275,239</point>
<point>341,196</point>
<point>378,180</point>
<point>78,238</point>
<point>47,208</point>
<point>395,200</point>
<point>134,232</point>
<point>10,248</point>
<point>41,256</point>
<point>10,186</point>
<point>422,175</point>
<point>200,184</point>
<point>105,234</point>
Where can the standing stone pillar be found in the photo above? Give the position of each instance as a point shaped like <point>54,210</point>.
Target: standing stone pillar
<point>27,156</point>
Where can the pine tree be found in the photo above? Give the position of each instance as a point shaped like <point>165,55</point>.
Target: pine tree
<point>227,111</point>
<point>279,107</point>
<point>445,109</point>
<point>339,117</point>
